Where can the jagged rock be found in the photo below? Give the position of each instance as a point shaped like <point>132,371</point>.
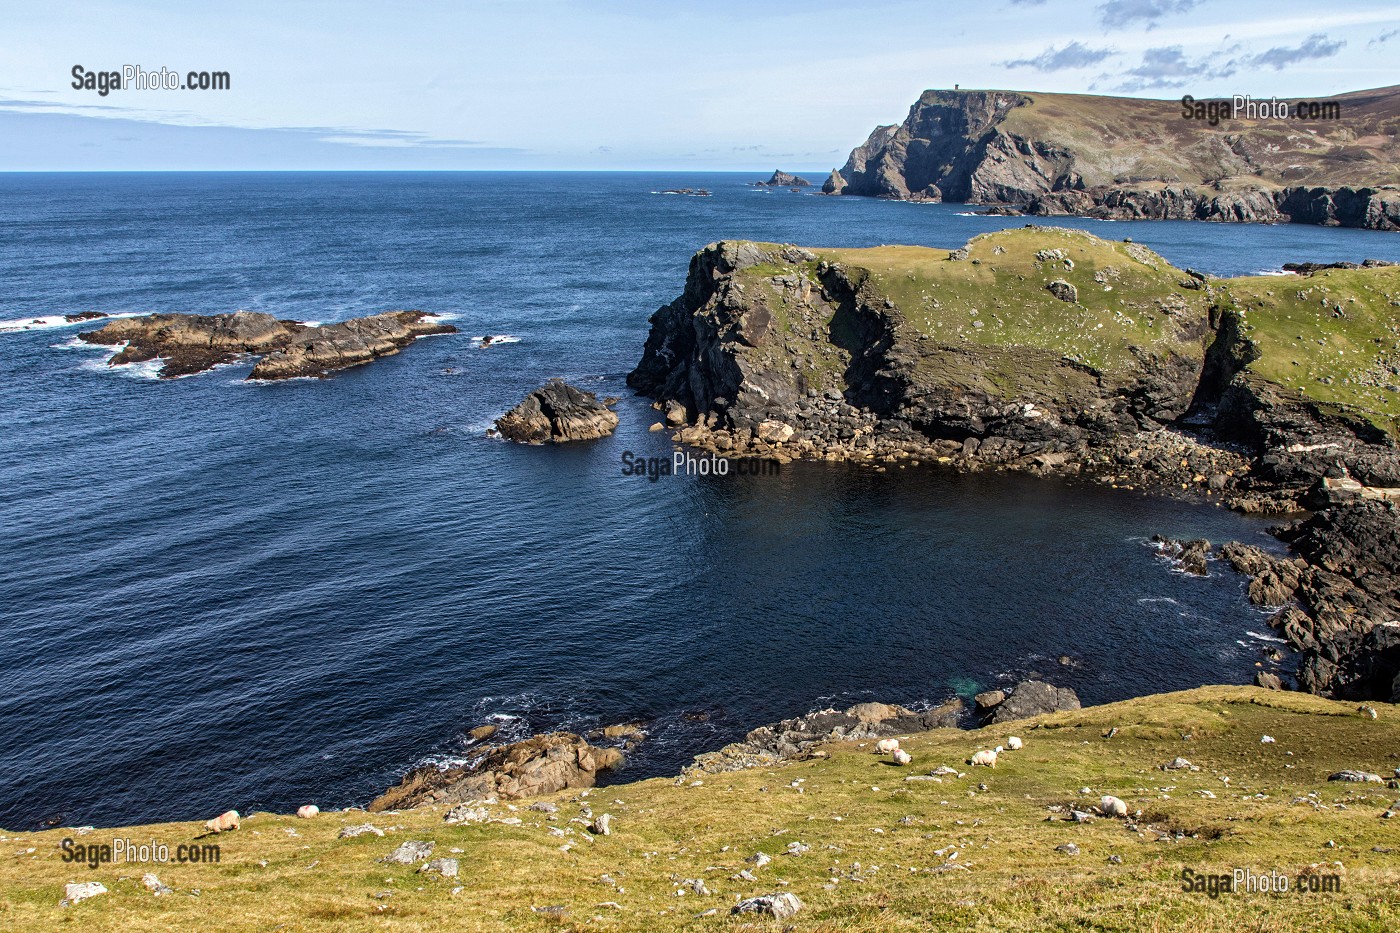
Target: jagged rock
<point>482,733</point>
<point>415,850</point>
<point>192,343</point>
<point>1032,698</point>
<point>1063,290</point>
<point>988,699</point>
<point>557,412</point>
<point>1190,555</point>
<point>539,765</point>
<point>350,832</point>
<point>446,867</point>
<point>1267,680</point>
<point>76,892</point>
<point>778,906</point>
<point>781,179</point>
<point>153,884</point>
<point>1356,777</point>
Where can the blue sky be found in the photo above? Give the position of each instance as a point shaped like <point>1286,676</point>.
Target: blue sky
<point>597,84</point>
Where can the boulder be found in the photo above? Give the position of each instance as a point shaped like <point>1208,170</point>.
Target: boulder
<point>1032,698</point>
<point>988,699</point>
<point>778,906</point>
<point>557,412</point>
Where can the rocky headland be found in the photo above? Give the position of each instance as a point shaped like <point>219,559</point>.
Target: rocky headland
<point>557,413</point>
<point>781,179</point>
<point>1132,159</point>
<point>1054,352</point>
<point>192,343</point>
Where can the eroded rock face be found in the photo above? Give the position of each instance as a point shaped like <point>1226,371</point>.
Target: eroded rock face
<point>193,343</point>
<point>539,765</point>
<point>557,412</point>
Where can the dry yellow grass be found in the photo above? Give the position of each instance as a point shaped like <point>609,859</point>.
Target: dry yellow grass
<point>876,858</point>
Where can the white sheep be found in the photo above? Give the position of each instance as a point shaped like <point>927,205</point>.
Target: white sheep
<point>308,811</point>
<point>887,746</point>
<point>223,822</point>
<point>901,757</point>
<point>1013,743</point>
<point>1112,806</point>
<point>986,757</point>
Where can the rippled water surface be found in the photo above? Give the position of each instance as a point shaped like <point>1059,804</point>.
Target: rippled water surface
<point>221,594</point>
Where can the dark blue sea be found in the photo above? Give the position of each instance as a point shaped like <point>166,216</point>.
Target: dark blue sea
<point>220,594</point>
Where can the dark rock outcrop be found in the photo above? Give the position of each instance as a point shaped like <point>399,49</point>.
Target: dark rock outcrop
<point>783,179</point>
<point>539,765</point>
<point>193,343</point>
<point>1032,698</point>
<point>557,412</point>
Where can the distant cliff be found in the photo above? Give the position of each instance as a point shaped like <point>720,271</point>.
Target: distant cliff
<point>1124,158</point>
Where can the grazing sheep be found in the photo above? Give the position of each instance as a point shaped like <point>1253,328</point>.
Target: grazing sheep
<point>986,757</point>
<point>886,746</point>
<point>223,822</point>
<point>308,811</point>
<point>901,757</point>
<point>1112,806</point>
<point>1013,744</point>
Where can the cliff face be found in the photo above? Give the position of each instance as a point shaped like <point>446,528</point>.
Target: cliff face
<point>1125,158</point>
<point>1052,351</point>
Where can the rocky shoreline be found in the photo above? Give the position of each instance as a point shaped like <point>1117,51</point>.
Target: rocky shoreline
<point>193,343</point>
<point>777,352</point>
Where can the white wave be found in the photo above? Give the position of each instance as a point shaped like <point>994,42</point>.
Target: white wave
<point>1158,599</point>
<point>495,339</point>
<point>56,322</point>
<point>149,369</point>
<point>446,315</point>
<point>1271,272</point>
<point>73,343</point>
<point>1262,637</point>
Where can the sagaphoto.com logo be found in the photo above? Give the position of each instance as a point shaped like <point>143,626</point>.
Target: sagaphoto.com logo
<point>136,78</point>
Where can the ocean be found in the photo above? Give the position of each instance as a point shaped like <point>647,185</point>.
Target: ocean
<point>218,594</point>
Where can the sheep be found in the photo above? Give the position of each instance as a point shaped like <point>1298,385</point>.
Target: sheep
<point>986,757</point>
<point>308,811</point>
<point>1112,806</point>
<point>901,757</point>
<point>1013,743</point>
<point>886,746</point>
<point>223,822</point>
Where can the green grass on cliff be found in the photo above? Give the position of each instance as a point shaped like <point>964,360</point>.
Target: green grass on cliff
<point>1128,296</point>
<point>1333,336</point>
<point>884,853</point>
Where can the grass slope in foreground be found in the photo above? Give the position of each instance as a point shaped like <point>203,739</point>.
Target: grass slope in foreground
<point>881,848</point>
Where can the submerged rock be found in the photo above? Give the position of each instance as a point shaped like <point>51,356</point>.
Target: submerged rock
<point>557,412</point>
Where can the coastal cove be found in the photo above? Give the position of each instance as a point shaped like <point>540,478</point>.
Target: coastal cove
<point>221,593</point>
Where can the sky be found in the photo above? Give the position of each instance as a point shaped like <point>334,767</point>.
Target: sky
<point>612,85</point>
